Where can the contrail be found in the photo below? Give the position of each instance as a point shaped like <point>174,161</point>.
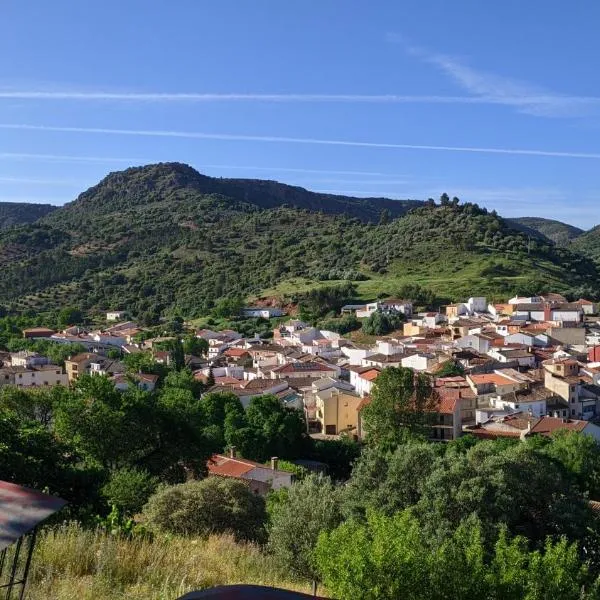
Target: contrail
<point>237,97</point>
<point>95,96</point>
<point>63,158</point>
<point>295,140</point>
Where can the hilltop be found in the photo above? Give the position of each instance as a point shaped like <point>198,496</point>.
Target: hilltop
<point>19,213</point>
<point>555,231</point>
<point>164,238</point>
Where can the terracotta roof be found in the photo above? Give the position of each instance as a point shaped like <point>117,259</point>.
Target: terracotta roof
<point>547,425</point>
<point>494,378</point>
<point>229,467</point>
<point>236,352</point>
<point>370,375</point>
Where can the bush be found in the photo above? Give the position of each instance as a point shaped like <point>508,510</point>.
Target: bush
<point>213,505</point>
<point>129,489</point>
<point>297,517</point>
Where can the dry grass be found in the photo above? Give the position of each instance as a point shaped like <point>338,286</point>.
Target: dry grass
<point>71,563</point>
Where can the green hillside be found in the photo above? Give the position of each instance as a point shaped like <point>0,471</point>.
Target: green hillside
<point>588,243</point>
<point>19,213</point>
<point>164,238</point>
<point>556,231</point>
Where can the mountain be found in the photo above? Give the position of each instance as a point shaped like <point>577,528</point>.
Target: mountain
<point>18,213</point>
<point>555,231</point>
<point>588,243</point>
<point>164,238</point>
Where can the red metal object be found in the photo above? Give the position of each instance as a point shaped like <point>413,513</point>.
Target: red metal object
<point>21,509</point>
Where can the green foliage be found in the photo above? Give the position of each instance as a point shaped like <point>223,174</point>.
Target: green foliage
<point>401,402</point>
<point>451,368</point>
<point>559,233</point>
<point>339,456</point>
<point>343,325</point>
<point>213,505</point>
<point>579,454</point>
<point>389,482</point>
<point>266,429</point>
<point>128,489</point>
<point>391,557</point>
<point>165,241</point>
<point>195,346</point>
<point>317,303</point>
<point>69,316</point>
<point>228,307</point>
<point>380,323</point>
<point>296,519</point>
<point>419,295</point>
<point>19,213</point>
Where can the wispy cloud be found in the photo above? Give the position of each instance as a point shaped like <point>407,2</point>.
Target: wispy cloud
<point>34,181</point>
<point>66,158</point>
<point>491,88</point>
<point>484,89</point>
<point>295,140</point>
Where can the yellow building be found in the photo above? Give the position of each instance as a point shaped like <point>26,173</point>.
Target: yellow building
<point>337,411</point>
<point>411,329</point>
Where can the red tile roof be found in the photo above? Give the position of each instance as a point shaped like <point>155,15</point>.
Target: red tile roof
<point>236,352</point>
<point>547,425</point>
<point>229,467</point>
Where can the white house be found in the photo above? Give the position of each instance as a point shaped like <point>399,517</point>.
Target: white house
<point>362,379</point>
<point>396,305</point>
<point>478,342</point>
<point>45,375</point>
<point>527,339</point>
<point>355,356</point>
<point>27,359</point>
<point>262,312</point>
<point>525,300</point>
<point>368,310</point>
<point>115,315</point>
<point>477,304</point>
<point>420,362</point>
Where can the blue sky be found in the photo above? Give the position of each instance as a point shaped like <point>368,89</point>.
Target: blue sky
<point>498,103</point>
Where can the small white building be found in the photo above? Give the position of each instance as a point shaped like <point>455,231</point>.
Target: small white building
<point>262,312</point>
<point>116,315</point>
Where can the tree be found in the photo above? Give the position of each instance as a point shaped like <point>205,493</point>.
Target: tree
<point>176,353</point>
<point>380,323</point>
<point>228,307</point>
<point>274,430</point>
<point>69,316</point>
<point>401,403</point>
<point>579,454</point>
<point>390,557</point>
<point>307,508</point>
<point>515,486</point>
<point>451,368</point>
<point>129,489</point>
<point>389,482</point>
<point>213,505</point>
<point>195,346</point>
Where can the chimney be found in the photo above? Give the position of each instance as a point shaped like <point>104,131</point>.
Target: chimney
<point>231,451</point>
<point>274,463</point>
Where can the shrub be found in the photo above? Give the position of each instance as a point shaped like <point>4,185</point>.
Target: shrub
<point>213,505</point>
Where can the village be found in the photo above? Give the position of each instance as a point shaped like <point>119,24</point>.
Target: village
<point>528,366</point>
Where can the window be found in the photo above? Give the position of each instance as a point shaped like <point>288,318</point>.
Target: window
<point>572,411</point>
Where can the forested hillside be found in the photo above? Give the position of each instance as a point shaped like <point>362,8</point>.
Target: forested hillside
<point>588,243</point>
<point>556,231</point>
<point>18,213</point>
<point>163,238</point>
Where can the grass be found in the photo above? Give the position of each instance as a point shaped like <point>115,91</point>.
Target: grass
<point>455,276</point>
<point>72,563</point>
